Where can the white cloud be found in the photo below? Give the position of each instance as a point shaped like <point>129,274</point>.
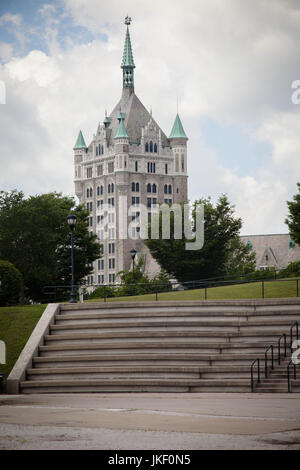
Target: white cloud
<point>232,61</point>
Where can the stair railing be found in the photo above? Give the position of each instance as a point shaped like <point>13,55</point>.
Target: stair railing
<point>284,342</point>
<point>289,375</point>
<point>266,359</point>
<point>258,372</point>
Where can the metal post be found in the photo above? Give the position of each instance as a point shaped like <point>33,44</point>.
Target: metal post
<point>263,289</point>
<point>73,293</point>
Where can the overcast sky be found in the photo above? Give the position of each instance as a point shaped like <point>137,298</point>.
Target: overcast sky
<point>230,62</point>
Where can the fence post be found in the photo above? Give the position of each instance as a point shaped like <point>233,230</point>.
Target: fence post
<point>263,289</point>
<point>104,293</point>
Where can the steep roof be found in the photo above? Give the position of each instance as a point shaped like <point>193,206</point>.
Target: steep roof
<point>121,132</point>
<point>80,143</point>
<point>177,131</point>
<point>127,54</point>
<point>136,117</point>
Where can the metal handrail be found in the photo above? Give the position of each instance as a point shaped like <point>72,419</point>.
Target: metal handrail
<point>266,359</point>
<point>288,374</point>
<point>295,324</point>
<point>258,372</point>
<point>155,288</point>
<point>279,340</point>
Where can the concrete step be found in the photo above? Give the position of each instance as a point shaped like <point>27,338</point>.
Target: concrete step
<point>183,324</point>
<point>165,371</point>
<point>92,347</point>
<point>134,385</point>
<point>143,359</point>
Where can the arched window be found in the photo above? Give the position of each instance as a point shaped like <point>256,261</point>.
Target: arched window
<point>91,192</point>
<point>155,148</point>
<point>101,190</point>
<point>108,188</point>
<point>182,162</point>
<point>137,187</point>
<point>99,151</point>
<point>96,151</point>
<point>88,192</point>
<point>146,147</point>
<point>136,166</point>
<point>148,188</point>
<point>151,146</point>
<point>154,188</point>
<point>166,189</point>
<point>98,190</point>
<point>133,187</point>
<point>170,189</point>
<point>112,187</point>
<point>102,149</point>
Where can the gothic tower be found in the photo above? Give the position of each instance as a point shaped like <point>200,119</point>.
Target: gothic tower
<point>130,166</point>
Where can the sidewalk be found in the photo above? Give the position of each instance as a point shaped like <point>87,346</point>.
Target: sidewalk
<point>150,421</point>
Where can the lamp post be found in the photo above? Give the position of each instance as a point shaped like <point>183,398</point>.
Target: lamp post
<point>133,253</point>
<point>72,222</point>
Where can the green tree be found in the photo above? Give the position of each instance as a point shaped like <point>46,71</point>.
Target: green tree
<point>293,220</point>
<point>11,283</point>
<point>223,253</point>
<point>35,237</point>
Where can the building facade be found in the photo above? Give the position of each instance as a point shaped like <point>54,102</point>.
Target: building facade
<point>273,251</point>
<point>129,166</point>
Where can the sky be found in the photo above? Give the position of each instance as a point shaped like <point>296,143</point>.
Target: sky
<point>229,66</point>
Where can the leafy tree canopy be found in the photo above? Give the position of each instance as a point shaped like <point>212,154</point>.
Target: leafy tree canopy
<point>35,237</point>
<point>293,220</point>
<point>223,252</point>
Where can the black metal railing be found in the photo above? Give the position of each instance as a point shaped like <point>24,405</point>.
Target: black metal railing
<point>291,363</point>
<point>258,373</point>
<point>266,359</point>
<point>283,337</point>
<point>279,350</point>
<point>60,293</point>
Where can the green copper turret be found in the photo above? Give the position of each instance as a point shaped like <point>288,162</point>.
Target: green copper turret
<point>127,62</point>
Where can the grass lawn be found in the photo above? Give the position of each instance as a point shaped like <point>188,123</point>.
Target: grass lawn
<point>272,289</point>
<point>16,325</point>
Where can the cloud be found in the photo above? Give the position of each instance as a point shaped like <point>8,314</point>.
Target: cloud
<point>231,61</point>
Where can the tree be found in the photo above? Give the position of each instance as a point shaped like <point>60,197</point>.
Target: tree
<point>223,253</point>
<point>293,220</point>
<point>35,237</point>
<point>11,283</point>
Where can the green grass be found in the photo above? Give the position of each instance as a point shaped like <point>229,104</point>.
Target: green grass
<point>16,325</point>
<point>272,289</point>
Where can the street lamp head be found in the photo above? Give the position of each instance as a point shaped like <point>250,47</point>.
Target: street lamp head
<point>72,221</point>
<point>133,252</point>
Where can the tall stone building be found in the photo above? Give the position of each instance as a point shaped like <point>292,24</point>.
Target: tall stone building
<point>130,164</point>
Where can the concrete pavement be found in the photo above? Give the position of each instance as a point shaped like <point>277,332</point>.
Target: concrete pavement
<point>150,421</point>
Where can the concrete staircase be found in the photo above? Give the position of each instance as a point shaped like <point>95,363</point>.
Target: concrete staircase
<point>204,346</point>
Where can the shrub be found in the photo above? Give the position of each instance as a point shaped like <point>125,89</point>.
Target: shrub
<point>11,283</point>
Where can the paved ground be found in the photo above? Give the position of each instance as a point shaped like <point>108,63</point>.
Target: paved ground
<point>150,421</point>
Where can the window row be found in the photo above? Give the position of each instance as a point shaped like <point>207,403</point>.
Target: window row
<point>135,187</point>
<point>111,277</point>
<point>149,147</point>
<point>99,149</point>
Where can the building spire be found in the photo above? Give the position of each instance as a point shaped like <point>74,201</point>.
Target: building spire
<point>127,61</point>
